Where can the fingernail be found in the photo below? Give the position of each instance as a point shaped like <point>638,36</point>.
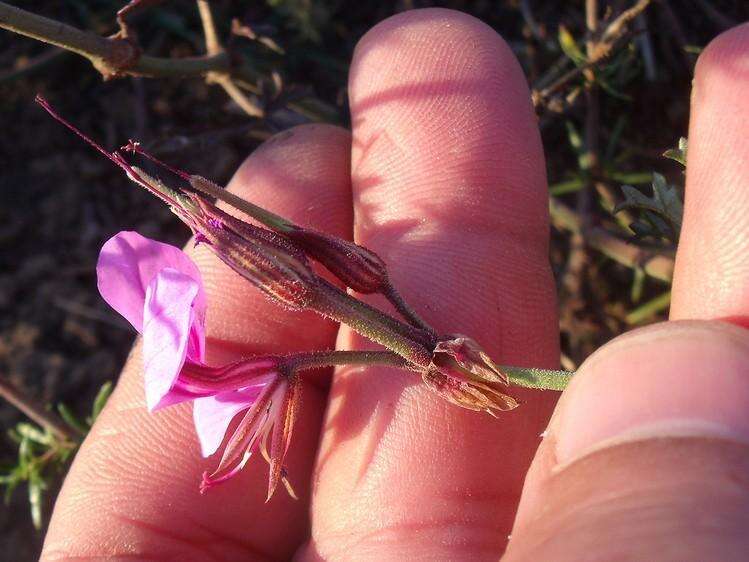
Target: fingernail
<point>675,378</point>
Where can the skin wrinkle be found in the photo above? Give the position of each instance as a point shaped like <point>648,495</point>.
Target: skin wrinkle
<point>473,537</point>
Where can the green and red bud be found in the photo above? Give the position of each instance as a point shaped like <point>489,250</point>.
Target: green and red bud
<point>266,259</point>
<point>357,267</point>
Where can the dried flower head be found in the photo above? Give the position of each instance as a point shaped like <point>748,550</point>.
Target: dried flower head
<point>462,373</point>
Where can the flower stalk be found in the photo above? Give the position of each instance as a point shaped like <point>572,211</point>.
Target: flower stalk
<point>158,289</point>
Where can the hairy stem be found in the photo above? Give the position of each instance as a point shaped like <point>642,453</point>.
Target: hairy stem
<point>540,379</point>
<point>395,298</point>
<point>411,343</point>
<point>316,359</point>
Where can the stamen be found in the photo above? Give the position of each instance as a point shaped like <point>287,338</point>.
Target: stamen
<point>135,148</point>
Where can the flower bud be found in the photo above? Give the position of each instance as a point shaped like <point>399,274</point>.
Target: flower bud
<point>359,268</point>
<point>266,259</point>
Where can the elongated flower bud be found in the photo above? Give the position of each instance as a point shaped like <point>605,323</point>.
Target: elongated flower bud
<point>266,259</point>
<point>359,268</point>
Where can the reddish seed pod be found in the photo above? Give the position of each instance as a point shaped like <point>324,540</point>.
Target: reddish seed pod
<point>266,259</point>
<point>359,268</point>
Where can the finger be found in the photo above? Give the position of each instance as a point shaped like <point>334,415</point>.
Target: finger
<point>647,453</point>
<point>712,265</point>
<point>133,489</point>
<point>640,451</point>
<point>449,188</point>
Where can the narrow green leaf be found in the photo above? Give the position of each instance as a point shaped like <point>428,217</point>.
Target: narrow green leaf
<point>569,186</point>
<point>649,309</point>
<point>34,433</point>
<point>70,419</point>
<point>638,283</point>
<point>36,486</point>
<point>100,401</point>
<point>570,47</point>
<point>634,178</point>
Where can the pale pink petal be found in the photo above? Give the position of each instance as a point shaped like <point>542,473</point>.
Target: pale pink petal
<point>167,327</point>
<point>212,415</point>
<point>127,264</point>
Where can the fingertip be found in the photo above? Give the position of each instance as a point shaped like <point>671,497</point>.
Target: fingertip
<point>454,28</point>
<point>439,101</point>
<point>646,398</point>
<point>717,64</point>
<point>673,378</point>
<point>712,262</point>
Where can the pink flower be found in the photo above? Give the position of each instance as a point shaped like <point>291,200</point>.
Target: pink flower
<point>158,289</point>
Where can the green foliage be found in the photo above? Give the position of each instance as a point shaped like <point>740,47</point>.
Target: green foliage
<point>660,216</point>
<point>679,153</point>
<point>42,455</point>
<point>612,76</point>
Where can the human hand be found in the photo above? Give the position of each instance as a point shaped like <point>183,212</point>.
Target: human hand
<point>444,178</point>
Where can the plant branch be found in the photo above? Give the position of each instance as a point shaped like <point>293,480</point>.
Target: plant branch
<point>601,50</point>
<point>405,310</point>
<point>34,410</point>
<point>112,57</point>
<point>656,265</point>
<point>214,48</point>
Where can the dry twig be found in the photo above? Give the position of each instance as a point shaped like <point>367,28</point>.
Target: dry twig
<point>36,412</point>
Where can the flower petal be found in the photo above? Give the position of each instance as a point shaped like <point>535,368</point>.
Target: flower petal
<point>127,264</point>
<point>167,328</point>
<point>212,415</point>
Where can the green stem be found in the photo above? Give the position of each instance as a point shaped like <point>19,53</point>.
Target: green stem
<point>264,216</point>
<point>316,359</point>
<point>395,298</point>
<point>649,309</point>
<point>541,379</point>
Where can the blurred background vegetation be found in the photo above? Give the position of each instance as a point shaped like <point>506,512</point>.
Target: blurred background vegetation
<point>611,83</point>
